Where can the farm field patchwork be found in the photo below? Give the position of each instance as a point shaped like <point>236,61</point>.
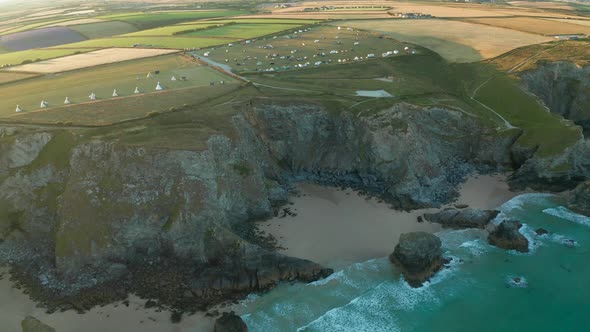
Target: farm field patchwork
<point>242,31</point>
<point>314,46</point>
<point>173,29</point>
<point>102,81</point>
<point>455,41</point>
<point>40,38</point>
<point>153,20</point>
<point>17,58</point>
<point>534,25</point>
<point>103,29</point>
<point>89,59</point>
<point>171,42</point>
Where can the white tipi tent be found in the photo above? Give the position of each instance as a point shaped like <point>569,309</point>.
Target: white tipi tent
<point>137,90</point>
<point>149,75</point>
<point>18,109</point>
<point>115,94</point>
<point>92,96</point>
<point>173,78</point>
<point>43,104</point>
<point>67,101</point>
<point>159,87</point>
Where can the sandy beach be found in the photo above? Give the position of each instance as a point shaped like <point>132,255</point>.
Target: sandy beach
<point>15,306</point>
<point>332,227</point>
<point>337,227</point>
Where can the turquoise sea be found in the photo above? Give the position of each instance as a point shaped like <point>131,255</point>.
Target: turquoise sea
<point>474,294</point>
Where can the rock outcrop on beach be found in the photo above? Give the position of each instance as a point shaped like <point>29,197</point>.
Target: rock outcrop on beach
<point>32,324</point>
<point>230,322</point>
<point>462,218</point>
<point>579,199</point>
<point>506,235</point>
<point>419,256</point>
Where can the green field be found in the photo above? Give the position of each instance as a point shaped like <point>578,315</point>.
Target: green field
<point>78,85</point>
<point>173,29</point>
<point>16,58</point>
<point>174,42</point>
<point>242,31</point>
<point>428,80</point>
<point>153,20</point>
<point>260,20</point>
<point>103,29</point>
<point>35,25</point>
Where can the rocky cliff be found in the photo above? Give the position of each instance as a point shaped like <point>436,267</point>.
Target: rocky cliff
<point>86,220</point>
<point>564,87</point>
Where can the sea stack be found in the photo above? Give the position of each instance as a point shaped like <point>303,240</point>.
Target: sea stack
<point>507,236</point>
<point>230,322</point>
<point>419,256</point>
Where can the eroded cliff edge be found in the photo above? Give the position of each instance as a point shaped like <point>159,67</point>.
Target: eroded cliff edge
<point>86,220</point>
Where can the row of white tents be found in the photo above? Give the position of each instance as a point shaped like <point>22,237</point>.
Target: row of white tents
<point>45,104</point>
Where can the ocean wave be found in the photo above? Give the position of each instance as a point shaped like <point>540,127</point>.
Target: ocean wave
<point>567,214</point>
<point>475,247</point>
<point>518,202</point>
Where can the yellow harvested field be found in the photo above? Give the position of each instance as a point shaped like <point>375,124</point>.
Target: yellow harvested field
<point>578,22</point>
<point>444,10</point>
<point>455,41</point>
<point>90,59</point>
<point>534,25</point>
<point>543,5</point>
<point>6,77</point>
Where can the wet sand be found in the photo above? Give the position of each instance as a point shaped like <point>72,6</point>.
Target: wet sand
<point>337,227</point>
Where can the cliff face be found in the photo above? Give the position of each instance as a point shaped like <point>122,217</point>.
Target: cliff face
<point>79,214</point>
<point>564,88</point>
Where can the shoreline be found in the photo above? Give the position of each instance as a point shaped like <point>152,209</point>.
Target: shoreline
<point>337,227</point>
<point>325,229</point>
<point>129,315</point>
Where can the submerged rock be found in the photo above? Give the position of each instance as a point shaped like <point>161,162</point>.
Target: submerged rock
<point>579,199</point>
<point>507,236</point>
<point>463,218</point>
<point>541,231</point>
<point>419,256</point>
<point>230,322</point>
<point>32,324</point>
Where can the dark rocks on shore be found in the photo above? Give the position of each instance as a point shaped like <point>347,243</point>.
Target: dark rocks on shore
<point>419,256</point>
<point>230,322</point>
<point>32,324</point>
<point>463,218</point>
<point>507,236</point>
<point>541,231</point>
<point>579,199</point>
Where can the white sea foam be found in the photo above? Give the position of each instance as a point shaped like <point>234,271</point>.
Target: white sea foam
<point>475,247</point>
<point>564,213</point>
<point>518,202</point>
<point>517,281</point>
